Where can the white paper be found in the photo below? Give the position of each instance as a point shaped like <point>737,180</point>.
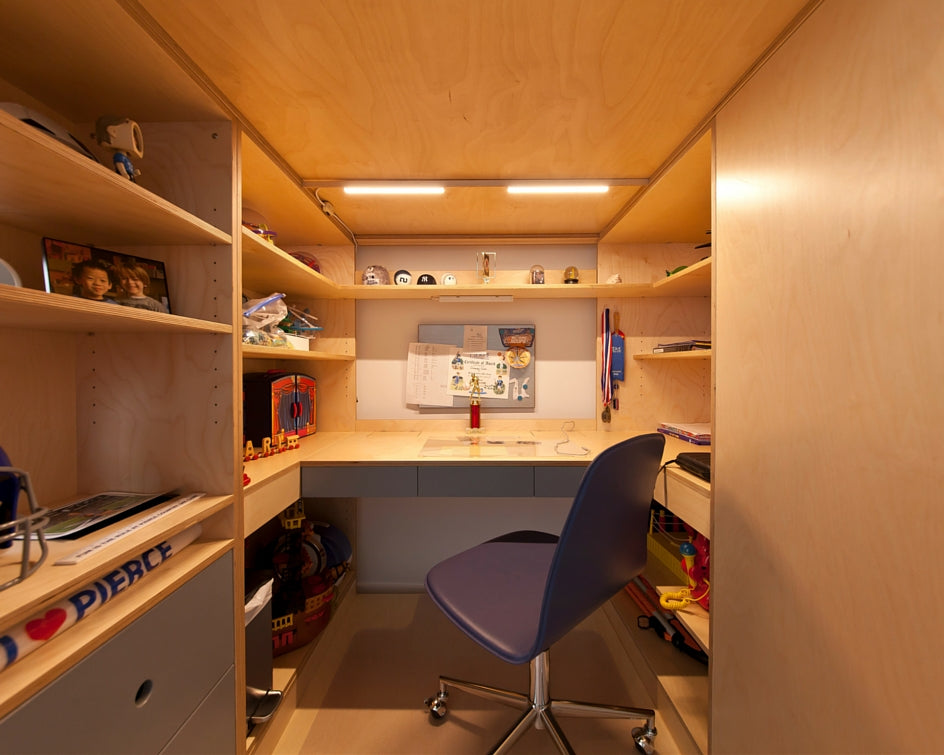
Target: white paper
<point>489,367</point>
<point>427,374</point>
<point>475,338</point>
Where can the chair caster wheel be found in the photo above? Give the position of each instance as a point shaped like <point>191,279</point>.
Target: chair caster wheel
<point>437,707</point>
<point>642,737</point>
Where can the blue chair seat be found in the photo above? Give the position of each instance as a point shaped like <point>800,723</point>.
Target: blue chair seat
<point>501,609</point>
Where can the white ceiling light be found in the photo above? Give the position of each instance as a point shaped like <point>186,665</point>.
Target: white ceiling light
<point>390,189</point>
<point>563,188</point>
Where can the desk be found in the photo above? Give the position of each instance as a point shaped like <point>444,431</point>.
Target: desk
<point>360,464</point>
<point>388,464</point>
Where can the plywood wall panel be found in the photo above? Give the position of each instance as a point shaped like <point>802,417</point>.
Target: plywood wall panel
<point>43,387</point>
<point>155,412</point>
<point>826,448</point>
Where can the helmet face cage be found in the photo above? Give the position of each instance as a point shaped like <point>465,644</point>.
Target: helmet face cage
<point>28,527</point>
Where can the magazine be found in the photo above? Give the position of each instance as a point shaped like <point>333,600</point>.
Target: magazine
<point>698,433</point>
<point>86,514</point>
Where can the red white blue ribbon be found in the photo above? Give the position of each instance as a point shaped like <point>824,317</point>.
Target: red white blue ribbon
<point>606,376</point>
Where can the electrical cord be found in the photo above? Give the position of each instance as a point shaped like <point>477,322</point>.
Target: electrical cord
<point>328,209</point>
<point>566,447</point>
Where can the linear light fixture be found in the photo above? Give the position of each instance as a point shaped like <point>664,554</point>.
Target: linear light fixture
<point>438,186</point>
<point>477,299</point>
<point>559,188</point>
<point>394,188</point>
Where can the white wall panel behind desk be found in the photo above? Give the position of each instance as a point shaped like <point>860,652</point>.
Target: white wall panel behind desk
<point>565,354</point>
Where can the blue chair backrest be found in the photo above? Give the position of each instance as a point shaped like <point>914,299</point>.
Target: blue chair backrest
<point>603,543</point>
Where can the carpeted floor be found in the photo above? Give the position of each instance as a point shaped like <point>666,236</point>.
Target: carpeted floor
<point>382,654</point>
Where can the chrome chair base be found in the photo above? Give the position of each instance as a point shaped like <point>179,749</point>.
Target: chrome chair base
<point>539,710</point>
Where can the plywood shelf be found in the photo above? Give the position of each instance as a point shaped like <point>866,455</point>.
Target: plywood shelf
<point>694,280</point>
<point>52,190</point>
<point>681,683</point>
<point>286,672</point>
<point>268,269</point>
<point>37,310</point>
<point>51,581</point>
<point>691,355</point>
<point>269,352</point>
<point>694,618</point>
<point>522,291</point>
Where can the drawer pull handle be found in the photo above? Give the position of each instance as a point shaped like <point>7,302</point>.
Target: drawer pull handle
<point>144,693</point>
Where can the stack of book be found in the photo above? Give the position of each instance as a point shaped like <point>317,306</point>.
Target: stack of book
<point>690,345</point>
<point>698,433</point>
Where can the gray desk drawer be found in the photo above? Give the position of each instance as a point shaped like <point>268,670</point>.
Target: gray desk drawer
<point>134,692</point>
<point>475,481</point>
<point>557,482</point>
<point>358,482</point>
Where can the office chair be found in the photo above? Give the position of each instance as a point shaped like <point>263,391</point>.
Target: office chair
<point>518,594</point>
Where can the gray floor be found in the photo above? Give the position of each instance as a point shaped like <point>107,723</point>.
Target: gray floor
<point>382,655</point>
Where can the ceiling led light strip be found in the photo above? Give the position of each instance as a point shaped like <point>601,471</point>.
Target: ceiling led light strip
<point>392,189</point>
<point>558,189</point>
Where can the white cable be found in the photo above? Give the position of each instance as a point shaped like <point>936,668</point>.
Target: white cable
<point>565,447</point>
<point>328,209</point>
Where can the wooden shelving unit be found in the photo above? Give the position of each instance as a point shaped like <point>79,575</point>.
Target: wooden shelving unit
<point>71,197</point>
<point>100,397</point>
<point>694,280</point>
<point>269,269</point>
<point>666,224</point>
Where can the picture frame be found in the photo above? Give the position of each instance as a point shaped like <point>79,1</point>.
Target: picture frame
<point>105,276</point>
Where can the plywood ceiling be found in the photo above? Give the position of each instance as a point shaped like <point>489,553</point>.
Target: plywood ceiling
<point>469,89</point>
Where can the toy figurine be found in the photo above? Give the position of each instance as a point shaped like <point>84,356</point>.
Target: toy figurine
<point>121,135</point>
<point>375,275</point>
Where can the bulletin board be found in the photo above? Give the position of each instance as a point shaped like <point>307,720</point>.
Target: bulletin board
<point>501,357</point>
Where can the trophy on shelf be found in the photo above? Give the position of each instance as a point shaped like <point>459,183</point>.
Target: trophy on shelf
<point>485,265</point>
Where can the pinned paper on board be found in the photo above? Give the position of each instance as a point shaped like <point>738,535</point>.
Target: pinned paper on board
<point>442,363</point>
<point>489,367</point>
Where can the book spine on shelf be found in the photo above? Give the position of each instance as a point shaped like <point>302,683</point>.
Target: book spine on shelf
<point>698,440</point>
<point>664,348</point>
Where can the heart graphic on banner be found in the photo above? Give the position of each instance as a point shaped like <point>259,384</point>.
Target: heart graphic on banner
<point>47,626</point>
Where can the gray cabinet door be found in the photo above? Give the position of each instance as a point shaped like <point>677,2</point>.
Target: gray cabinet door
<point>137,690</point>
